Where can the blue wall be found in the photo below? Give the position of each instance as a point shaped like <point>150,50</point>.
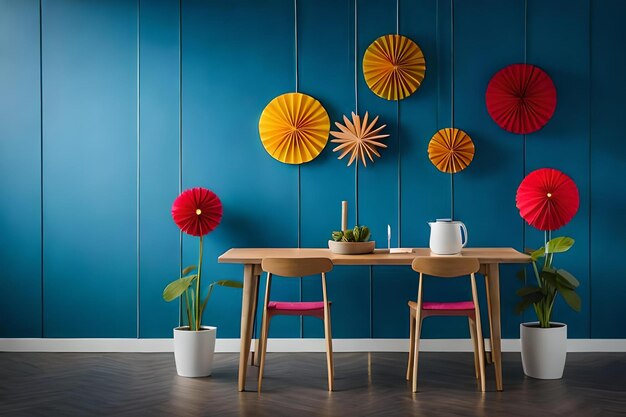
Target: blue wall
<point>108,108</point>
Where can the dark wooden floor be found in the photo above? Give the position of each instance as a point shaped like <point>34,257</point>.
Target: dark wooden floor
<point>142,384</point>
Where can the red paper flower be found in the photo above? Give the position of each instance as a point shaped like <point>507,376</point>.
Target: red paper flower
<point>521,98</point>
<point>547,199</point>
<point>197,211</point>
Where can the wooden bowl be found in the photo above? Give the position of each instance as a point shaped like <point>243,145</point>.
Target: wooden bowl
<point>351,248</point>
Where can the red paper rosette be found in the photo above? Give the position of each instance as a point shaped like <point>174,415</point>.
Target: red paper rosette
<point>197,211</point>
<point>521,98</point>
<point>547,199</point>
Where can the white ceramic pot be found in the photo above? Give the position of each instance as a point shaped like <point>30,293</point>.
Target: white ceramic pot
<point>543,350</point>
<point>193,351</point>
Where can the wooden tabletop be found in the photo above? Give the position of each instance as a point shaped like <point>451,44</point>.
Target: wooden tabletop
<point>379,257</point>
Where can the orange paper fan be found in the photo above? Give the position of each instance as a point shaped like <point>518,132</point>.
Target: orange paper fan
<point>393,67</point>
<point>451,150</point>
<point>294,128</point>
<point>358,138</point>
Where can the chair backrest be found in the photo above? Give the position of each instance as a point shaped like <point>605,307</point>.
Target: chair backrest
<point>296,267</point>
<point>445,267</point>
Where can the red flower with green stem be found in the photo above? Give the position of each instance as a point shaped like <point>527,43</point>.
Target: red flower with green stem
<point>548,199</point>
<point>197,212</point>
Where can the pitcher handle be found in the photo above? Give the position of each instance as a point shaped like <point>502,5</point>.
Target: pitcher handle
<point>464,233</point>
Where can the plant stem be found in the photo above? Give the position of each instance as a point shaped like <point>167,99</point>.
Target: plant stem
<point>188,309</point>
<point>537,274</point>
<point>197,306</point>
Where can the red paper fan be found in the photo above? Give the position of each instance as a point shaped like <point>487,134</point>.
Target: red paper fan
<point>197,211</point>
<point>547,199</point>
<point>521,98</point>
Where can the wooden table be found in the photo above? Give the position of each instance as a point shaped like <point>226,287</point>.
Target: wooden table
<point>489,259</point>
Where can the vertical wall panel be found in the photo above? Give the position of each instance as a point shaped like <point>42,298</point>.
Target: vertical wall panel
<point>159,256</point>
<point>488,35</point>
<point>378,182</point>
<point>608,156</point>
<point>89,162</point>
<point>560,46</point>
<point>234,63</point>
<point>328,54</point>
<point>424,192</point>
<point>20,169</point>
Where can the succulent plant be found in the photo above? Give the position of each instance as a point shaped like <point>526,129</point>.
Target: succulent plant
<point>358,234</point>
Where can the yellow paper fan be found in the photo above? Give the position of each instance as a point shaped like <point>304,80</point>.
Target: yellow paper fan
<point>451,150</point>
<point>393,67</point>
<point>294,128</point>
<point>358,138</point>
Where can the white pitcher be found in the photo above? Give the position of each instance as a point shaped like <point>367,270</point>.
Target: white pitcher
<point>445,237</point>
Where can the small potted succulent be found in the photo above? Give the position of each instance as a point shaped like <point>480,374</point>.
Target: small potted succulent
<point>352,241</point>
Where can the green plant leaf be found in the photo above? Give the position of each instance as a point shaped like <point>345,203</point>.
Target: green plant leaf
<point>566,279</point>
<point>348,236</point>
<point>176,288</point>
<point>188,269</point>
<point>365,233</point>
<point>205,301</point>
<point>356,232</point>
<point>229,283</point>
<point>536,254</point>
<point>548,275</point>
<point>571,298</point>
<point>527,301</point>
<point>560,244</point>
<point>522,292</point>
<point>337,235</point>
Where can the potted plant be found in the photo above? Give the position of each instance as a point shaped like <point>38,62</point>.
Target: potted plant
<point>197,212</point>
<point>547,200</point>
<point>351,241</point>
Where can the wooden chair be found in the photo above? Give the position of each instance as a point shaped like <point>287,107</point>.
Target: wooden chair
<point>446,268</point>
<point>296,267</point>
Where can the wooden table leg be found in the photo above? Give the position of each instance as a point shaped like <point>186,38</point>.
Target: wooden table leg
<point>249,284</point>
<point>255,356</point>
<point>492,283</point>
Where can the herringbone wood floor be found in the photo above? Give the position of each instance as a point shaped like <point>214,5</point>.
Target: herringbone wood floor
<point>142,384</point>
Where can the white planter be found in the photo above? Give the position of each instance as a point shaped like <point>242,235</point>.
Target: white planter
<point>543,350</point>
<point>193,351</point>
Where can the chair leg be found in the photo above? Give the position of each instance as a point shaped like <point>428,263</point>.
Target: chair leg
<point>409,367</point>
<point>481,352</point>
<point>472,329</point>
<point>416,348</point>
<point>329,349</point>
<point>479,334</point>
<point>264,334</point>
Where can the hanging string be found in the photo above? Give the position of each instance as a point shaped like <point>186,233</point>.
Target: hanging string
<point>524,135</point>
<point>452,100</point>
<point>397,17</point>
<point>399,164</point>
<point>295,31</point>
<point>356,108</point>
<point>180,141</point>
<point>295,42</point>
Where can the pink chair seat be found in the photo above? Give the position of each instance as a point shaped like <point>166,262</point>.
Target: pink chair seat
<point>296,306</point>
<point>457,305</point>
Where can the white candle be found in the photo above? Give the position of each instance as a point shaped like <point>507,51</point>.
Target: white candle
<point>344,215</point>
